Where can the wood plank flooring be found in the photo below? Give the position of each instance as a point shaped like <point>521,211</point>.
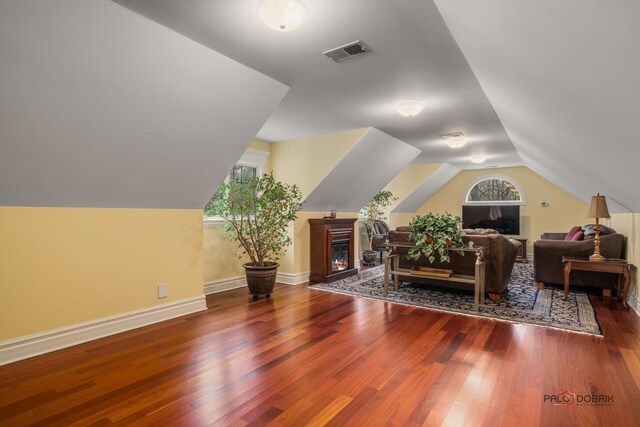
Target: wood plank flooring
<point>307,357</point>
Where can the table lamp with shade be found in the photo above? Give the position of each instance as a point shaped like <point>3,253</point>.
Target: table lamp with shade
<point>597,210</point>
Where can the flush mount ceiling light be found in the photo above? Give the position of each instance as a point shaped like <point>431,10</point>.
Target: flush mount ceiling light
<point>454,140</point>
<point>410,108</point>
<point>478,158</point>
<point>282,15</point>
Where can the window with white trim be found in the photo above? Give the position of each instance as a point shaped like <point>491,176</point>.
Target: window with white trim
<point>253,163</point>
<point>494,189</point>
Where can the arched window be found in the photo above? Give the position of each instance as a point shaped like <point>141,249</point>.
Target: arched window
<point>494,189</point>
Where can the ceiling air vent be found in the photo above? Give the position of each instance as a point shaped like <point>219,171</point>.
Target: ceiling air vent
<point>347,51</point>
<point>452,135</point>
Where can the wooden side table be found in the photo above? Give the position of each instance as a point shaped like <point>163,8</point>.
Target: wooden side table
<point>522,252</point>
<point>609,265</point>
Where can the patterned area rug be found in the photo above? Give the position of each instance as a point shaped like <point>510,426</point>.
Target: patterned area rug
<point>523,302</point>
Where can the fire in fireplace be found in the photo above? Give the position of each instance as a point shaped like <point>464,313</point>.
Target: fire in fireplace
<point>339,256</point>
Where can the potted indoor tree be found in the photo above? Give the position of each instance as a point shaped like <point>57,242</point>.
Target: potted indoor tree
<point>373,211</point>
<point>258,211</point>
<point>436,234</point>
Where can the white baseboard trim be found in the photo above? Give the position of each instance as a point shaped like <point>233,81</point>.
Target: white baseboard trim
<point>634,304</point>
<point>56,339</point>
<point>225,285</point>
<point>293,278</point>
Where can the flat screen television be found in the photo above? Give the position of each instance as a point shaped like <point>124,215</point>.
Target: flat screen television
<point>504,218</point>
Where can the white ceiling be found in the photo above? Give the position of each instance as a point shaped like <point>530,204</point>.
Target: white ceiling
<point>564,78</point>
<point>413,57</point>
<point>100,107</point>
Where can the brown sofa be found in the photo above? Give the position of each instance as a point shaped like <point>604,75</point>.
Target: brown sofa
<point>548,253</point>
<point>499,256</point>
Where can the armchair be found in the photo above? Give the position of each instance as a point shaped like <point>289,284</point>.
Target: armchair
<point>380,236</point>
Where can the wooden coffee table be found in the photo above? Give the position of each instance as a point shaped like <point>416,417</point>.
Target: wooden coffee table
<point>391,268</point>
<point>609,265</point>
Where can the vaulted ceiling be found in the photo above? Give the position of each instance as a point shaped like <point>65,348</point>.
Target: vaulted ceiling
<point>563,78</point>
<point>382,156</point>
<point>413,56</point>
<point>553,85</point>
<point>100,107</point>
<point>427,188</point>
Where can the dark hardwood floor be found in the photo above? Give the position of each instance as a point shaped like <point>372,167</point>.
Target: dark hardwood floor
<point>312,357</point>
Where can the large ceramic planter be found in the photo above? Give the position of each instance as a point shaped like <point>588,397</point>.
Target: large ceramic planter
<point>369,257</point>
<point>261,280</point>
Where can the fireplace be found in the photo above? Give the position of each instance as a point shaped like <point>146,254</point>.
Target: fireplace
<point>339,256</point>
<point>332,249</point>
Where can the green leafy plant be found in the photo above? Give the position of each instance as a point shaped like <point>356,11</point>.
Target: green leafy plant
<point>436,234</point>
<point>257,212</point>
<point>374,211</point>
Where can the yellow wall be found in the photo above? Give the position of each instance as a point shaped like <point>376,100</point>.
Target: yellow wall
<point>400,219</point>
<point>307,161</point>
<point>263,146</point>
<point>404,184</point>
<point>563,212</point>
<point>219,256</point>
<point>260,145</point>
<point>629,225</point>
<point>62,266</point>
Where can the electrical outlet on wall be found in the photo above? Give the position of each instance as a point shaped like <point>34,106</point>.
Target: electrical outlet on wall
<point>163,290</point>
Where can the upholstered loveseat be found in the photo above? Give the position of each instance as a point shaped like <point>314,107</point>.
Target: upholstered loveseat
<point>500,255</point>
<point>548,253</point>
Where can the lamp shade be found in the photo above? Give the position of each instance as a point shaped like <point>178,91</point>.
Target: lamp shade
<point>598,208</point>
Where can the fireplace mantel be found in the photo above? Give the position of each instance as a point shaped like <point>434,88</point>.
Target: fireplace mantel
<point>332,249</point>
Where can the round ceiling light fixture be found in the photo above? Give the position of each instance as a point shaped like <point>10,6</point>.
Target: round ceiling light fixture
<point>282,15</point>
<point>456,142</point>
<point>410,108</point>
<point>478,158</point>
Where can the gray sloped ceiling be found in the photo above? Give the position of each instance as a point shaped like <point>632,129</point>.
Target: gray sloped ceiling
<point>101,107</point>
<point>427,189</point>
<point>563,78</point>
<point>413,56</point>
<point>371,163</point>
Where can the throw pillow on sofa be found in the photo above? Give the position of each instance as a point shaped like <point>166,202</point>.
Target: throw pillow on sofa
<point>590,232</point>
<point>573,232</point>
<point>578,236</point>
